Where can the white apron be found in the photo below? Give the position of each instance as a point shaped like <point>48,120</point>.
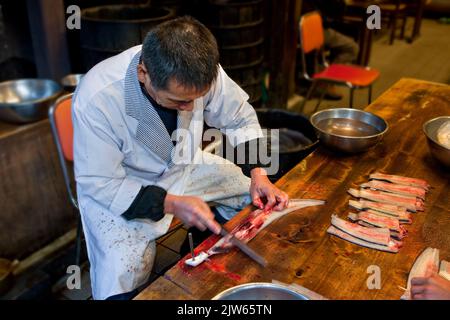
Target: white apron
<point>121,145</point>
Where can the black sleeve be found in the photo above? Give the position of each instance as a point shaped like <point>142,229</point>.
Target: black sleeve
<point>248,166</point>
<point>149,203</point>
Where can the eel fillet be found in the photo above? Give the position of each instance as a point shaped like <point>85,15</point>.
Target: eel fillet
<point>412,204</point>
<point>413,182</point>
<point>424,264</point>
<point>369,219</point>
<point>366,237</point>
<point>345,236</point>
<point>381,236</point>
<point>383,209</point>
<point>259,219</point>
<point>395,188</point>
<point>251,225</point>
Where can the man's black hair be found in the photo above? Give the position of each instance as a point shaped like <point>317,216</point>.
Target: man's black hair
<point>182,49</point>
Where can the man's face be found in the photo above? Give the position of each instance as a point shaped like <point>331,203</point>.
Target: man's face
<point>175,96</point>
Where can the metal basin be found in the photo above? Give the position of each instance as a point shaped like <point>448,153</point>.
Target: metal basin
<point>71,81</point>
<point>27,100</point>
<point>259,291</point>
<point>430,128</point>
<point>348,130</point>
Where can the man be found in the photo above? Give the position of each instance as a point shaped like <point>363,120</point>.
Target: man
<point>138,121</point>
<point>342,48</point>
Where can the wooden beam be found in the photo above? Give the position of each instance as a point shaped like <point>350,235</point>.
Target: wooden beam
<point>282,39</point>
<point>48,34</point>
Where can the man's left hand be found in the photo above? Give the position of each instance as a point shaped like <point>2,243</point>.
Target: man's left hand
<point>261,187</point>
<point>433,287</point>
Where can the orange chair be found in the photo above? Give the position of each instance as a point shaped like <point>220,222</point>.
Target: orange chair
<point>62,129</point>
<point>60,116</point>
<point>352,76</point>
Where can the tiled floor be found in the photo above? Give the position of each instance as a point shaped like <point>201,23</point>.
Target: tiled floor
<point>167,254</point>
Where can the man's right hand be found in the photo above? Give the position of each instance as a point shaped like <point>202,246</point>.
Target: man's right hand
<point>192,211</point>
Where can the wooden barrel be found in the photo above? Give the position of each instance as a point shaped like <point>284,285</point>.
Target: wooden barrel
<point>109,30</point>
<point>249,77</point>
<point>239,30</point>
<point>177,5</point>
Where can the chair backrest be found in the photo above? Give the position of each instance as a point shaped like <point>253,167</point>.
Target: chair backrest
<point>311,41</point>
<point>60,115</point>
<point>311,32</point>
<point>63,120</point>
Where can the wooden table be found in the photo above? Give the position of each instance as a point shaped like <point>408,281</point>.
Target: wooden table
<point>297,247</point>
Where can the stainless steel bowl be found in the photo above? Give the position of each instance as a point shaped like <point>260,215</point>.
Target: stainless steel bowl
<point>27,100</point>
<point>71,81</point>
<point>430,128</point>
<point>259,291</point>
<point>348,130</point>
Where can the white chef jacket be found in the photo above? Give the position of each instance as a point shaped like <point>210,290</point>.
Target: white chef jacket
<point>122,145</point>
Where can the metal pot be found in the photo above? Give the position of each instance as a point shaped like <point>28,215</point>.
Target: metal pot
<point>71,81</point>
<point>260,291</point>
<point>430,128</point>
<point>348,130</point>
<point>27,100</point>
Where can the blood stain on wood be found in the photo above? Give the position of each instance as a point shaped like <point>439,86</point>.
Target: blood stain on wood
<point>216,267</point>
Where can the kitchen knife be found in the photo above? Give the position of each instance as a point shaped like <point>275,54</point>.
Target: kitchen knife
<point>244,248</point>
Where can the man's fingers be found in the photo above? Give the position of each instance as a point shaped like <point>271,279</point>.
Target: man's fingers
<point>417,289</point>
<point>206,218</point>
<point>257,201</point>
<point>213,226</point>
<point>207,213</point>
<point>271,201</point>
<point>199,225</point>
<point>419,296</point>
<point>418,281</point>
<point>283,201</point>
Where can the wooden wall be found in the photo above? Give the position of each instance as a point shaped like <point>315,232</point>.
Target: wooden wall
<point>34,208</point>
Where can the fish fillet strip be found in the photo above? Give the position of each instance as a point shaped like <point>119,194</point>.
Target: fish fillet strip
<point>345,236</point>
<point>412,204</point>
<point>382,209</point>
<point>381,236</point>
<point>370,219</point>
<point>401,180</point>
<point>395,188</point>
<point>259,219</point>
<point>424,264</point>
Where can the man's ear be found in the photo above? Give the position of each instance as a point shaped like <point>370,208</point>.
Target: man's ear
<point>141,73</point>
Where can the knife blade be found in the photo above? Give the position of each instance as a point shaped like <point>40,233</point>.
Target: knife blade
<point>244,248</point>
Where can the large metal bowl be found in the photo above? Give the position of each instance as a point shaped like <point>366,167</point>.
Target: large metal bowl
<point>430,128</point>
<point>348,130</point>
<point>27,100</point>
<point>260,291</point>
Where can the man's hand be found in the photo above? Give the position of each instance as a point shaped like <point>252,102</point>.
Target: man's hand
<point>433,287</point>
<point>261,187</point>
<point>192,211</point>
